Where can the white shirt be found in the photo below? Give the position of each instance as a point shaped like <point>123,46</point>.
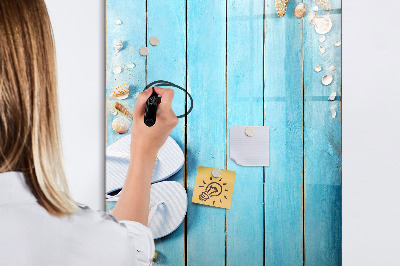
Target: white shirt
<point>29,235</point>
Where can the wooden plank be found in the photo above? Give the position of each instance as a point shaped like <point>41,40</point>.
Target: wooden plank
<point>206,124</point>
<point>167,61</point>
<point>132,32</point>
<point>245,229</point>
<point>322,144</point>
<point>283,97</point>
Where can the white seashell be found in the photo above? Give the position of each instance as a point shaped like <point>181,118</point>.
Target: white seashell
<point>322,25</point>
<point>333,110</point>
<point>117,70</point>
<point>322,38</point>
<point>120,92</point>
<point>315,8</point>
<point>120,125</point>
<point>332,68</point>
<point>118,22</point>
<point>322,49</point>
<point>337,43</point>
<point>327,79</point>
<point>332,96</point>
<point>317,68</point>
<point>118,46</point>
<point>130,65</point>
<point>300,10</point>
<point>325,4</point>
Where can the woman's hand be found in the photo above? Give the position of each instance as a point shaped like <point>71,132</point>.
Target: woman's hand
<point>134,200</point>
<point>146,141</point>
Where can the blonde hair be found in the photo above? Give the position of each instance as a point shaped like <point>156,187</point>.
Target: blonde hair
<point>29,122</point>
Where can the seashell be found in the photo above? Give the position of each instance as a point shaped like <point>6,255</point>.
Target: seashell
<point>317,68</point>
<point>117,70</point>
<point>325,4</point>
<point>333,110</point>
<point>332,68</point>
<point>337,43</point>
<point>327,79</point>
<point>322,24</point>
<point>118,22</point>
<point>120,125</point>
<point>130,65</point>
<point>332,96</point>
<point>120,92</point>
<point>315,8</point>
<point>118,46</point>
<point>322,49</point>
<point>122,109</point>
<point>300,10</point>
<point>322,38</point>
<point>115,112</point>
<point>281,6</point>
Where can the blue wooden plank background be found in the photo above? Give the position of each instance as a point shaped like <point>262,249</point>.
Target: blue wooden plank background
<point>244,66</point>
<point>283,97</point>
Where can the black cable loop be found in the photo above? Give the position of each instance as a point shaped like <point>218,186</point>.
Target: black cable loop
<point>170,84</point>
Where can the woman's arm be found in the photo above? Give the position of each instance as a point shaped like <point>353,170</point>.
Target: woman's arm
<point>134,200</point>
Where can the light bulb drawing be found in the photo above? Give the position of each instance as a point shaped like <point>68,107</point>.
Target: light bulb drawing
<point>213,189</point>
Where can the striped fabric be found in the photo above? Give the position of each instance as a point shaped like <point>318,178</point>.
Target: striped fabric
<point>170,160</point>
<point>170,200</point>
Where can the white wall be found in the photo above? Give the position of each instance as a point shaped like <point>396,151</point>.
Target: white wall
<point>79,32</point>
<point>371,118</point>
<point>371,132</point>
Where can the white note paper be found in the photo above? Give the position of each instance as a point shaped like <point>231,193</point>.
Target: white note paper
<point>249,150</point>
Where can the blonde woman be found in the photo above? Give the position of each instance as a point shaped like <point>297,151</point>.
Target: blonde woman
<point>40,224</point>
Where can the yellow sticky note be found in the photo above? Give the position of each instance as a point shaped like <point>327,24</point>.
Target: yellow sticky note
<point>212,191</point>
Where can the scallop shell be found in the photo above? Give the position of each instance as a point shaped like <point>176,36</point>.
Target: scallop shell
<point>325,4</point>
<point>300,10</point>
<point>118,46</point>
<point>281,6</point>
<point>327,79</point>
<point>120,92</point>
<point>322,24</point>
<point>122,109</point>
<point>317,68</point>
<point>120,125</point>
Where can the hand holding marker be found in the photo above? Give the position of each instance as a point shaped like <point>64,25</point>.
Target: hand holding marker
<point>153,101</point>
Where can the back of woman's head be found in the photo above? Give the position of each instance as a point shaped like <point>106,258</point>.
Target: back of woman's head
<point>29,125</point>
